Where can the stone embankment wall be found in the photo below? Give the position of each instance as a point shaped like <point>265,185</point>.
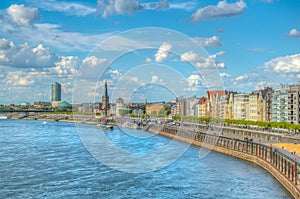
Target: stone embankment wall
<point>281,166</point>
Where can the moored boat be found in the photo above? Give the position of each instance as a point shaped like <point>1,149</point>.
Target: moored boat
<point>104,126</point>
<point>2,117</point>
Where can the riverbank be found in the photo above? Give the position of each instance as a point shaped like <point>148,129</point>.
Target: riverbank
<point>278,165</point>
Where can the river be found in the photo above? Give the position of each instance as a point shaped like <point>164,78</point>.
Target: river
<point>48,160</point>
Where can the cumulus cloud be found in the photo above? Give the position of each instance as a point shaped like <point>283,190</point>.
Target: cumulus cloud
<point>23,16</point>
<point>109,7</point>
<point>93,61</point>
<point>148,60</point>
<point>209,42</point>
<point>93,68</point>
<point>69,8</point>
<point>115,74</point>
<point>67,66</point>
<point>286,64</point>
<point>163,52</point>
<point>190,57</point>
<point>156,79</point>
<point>262,84</point>
<point>19,78</point>
<point>222,9</point>
<point>203,62</point>
<point>294,33</point>
<point>194,80</point>
<point>24,56</point>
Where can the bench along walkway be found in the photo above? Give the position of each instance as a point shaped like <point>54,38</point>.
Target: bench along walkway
<point>282,165</point>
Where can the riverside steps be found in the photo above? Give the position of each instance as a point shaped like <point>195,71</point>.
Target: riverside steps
<point>282,165</point>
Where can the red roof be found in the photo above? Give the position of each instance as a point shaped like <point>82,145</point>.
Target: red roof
<point>202,100</point>
<point>219,92</point>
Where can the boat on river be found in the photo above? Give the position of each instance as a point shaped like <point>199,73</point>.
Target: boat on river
<point>130,125</point>
<point>3,117</point>
<point>105,126</point>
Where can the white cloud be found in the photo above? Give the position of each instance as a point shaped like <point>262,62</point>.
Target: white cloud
<point>203,62</point>
<point>209,42</point>
<point>190,57</point>
<point>187,5</point>
<point>93,68</point>
<point>294,33</point>
<point>286,64</point>
<point>109,7</point>
<point>156,79</point>
<point>19,78</point>
<point>225,75</point>
<point>115,74</point>
<point>20,26</point>
<point>163,52</point>
<point>93,61</point>
<point>148,60</point>
<point>241,77</point>
<point>67,66</point>
<point>69,8</point>
<point>24,56</point>
<point>222,9</point>
<point>194,80</point>
<point>23,16</point>
<point>211,61</point>
<point>262,85</point>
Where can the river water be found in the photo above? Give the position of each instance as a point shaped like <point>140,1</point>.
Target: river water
<point>48,160</point>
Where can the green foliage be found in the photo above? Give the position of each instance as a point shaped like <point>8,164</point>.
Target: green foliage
<point>167,110</point>
<point>124,112</point>
<point>283,125</point>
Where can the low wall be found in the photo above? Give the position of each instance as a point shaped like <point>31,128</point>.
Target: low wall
<point>283,168</point>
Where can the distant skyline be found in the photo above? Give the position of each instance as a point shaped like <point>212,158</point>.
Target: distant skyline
<point>252,43</point>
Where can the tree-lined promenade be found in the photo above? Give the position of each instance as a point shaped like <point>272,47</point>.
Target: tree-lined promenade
<point>276,126</point>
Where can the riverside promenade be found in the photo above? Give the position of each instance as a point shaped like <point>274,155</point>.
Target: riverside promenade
<point>282,165</point>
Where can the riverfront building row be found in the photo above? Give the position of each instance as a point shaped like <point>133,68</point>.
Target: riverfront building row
<point>269,104</point>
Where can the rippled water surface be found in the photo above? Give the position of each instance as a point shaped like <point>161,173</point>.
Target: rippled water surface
<point>39,160</point>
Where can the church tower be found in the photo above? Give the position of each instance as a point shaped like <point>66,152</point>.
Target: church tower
<point>105,100</point>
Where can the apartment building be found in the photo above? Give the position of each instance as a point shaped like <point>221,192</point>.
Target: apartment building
<point>260,104</point>
<point>280,104</point>
<point>241,107</point>
<point>293,103</point>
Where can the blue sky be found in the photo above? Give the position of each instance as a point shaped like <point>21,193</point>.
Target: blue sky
<point>246,44</point>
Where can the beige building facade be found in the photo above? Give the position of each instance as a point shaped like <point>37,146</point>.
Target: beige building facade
<point>241,107</point>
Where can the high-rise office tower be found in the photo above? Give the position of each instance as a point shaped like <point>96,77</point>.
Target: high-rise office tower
<point>56,92</point>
